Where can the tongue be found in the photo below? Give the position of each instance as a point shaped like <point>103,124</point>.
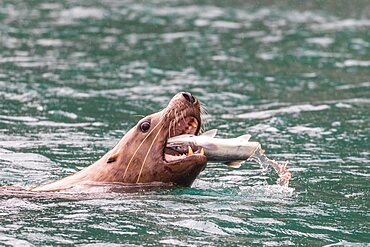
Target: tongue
<point>170,158</point>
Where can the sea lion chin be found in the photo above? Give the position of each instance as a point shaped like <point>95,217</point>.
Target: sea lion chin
<point>140,157</point>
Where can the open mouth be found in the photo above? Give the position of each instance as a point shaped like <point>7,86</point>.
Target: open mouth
<point>186,125</point>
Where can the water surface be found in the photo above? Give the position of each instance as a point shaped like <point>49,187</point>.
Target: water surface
<point>74,77</point>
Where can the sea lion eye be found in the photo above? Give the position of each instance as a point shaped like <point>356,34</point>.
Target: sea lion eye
<point>145,126</point>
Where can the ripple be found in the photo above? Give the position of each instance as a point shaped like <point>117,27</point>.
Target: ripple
<point>58,124</point>
<point>9,240</point>
<point>226,25</point>
<point>323,41</point>
<point>346,243</point>
<point>15,205</point>
<point>284,110</point>
<point>13,165</point>
<point>69,115</point>
<point>19,118</point>
<point>353,63</point>
<point>203,226</point>
<point>50,42</point>
<point>341,24</point>
<point>310,131</point>
<point>173,242</point>
<point>352,86</point>
<point>80,13</point>
<point>266,221</point>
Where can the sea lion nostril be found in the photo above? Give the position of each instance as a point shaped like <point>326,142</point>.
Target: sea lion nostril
<point>188,97</point>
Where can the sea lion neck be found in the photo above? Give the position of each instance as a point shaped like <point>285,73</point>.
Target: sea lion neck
<point>140,156</point>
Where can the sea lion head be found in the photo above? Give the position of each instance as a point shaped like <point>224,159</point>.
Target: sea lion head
<point>141,155</point>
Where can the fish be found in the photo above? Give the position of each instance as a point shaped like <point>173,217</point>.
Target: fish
<point>232,151</point>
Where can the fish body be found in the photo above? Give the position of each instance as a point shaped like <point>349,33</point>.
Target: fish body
<point>231,151</point>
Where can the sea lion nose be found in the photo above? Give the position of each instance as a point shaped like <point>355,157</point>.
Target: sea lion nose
<point>189,97</point>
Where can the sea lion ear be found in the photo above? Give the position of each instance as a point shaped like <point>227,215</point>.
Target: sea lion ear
<point>113,158</point>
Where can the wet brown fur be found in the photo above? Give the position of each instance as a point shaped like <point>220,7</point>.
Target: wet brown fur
<point>138,157</point>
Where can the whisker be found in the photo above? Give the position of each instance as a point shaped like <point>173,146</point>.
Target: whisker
<point>203,115</point>
<point>182,115</point>
<point>177,116</point>
<point>147,153</point>
<point>132,157</point>
<point>172,127</point>
<point>203,109</point>
<point>205,124</point>
<point>169,130</point>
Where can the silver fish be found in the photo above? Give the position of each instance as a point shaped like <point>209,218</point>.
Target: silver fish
<point>231,151</point>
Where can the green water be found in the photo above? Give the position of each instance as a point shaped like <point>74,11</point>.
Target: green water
<point>293,74</point>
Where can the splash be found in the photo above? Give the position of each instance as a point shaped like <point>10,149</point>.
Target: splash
<point>281,168</point>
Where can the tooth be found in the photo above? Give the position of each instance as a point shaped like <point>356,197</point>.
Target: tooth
<point>190,151</point>
<point>202,151</point>
<point>194,124</point>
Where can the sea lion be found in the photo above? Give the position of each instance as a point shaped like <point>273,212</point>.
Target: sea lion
<point>140,156</point>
